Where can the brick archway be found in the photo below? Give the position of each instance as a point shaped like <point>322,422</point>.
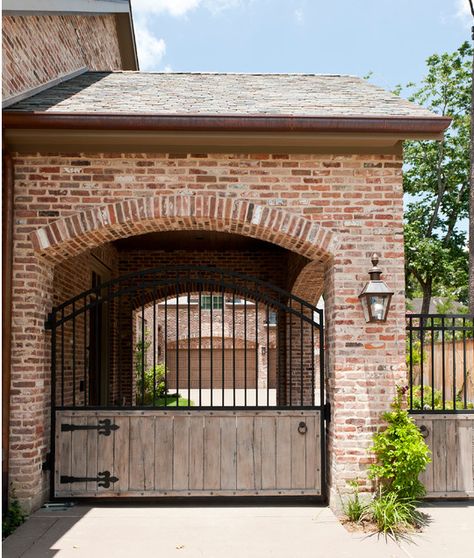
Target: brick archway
<point>71,235</point>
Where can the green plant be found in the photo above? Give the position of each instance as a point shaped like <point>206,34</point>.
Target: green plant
<point>151,380</point>
<point>401,453</point>
<point>393,514</point>
<point>434,400</point>
<point>13,518</point>
<point>354,509</point>
<point>150,383</point>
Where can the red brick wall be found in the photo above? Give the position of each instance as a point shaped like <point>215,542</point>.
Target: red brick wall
<point>357,201</point>
<point>37,49</point>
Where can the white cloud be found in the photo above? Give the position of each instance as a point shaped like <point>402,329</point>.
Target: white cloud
<point>217,6</point>
<point>463,11</point>
<point>179,8</point>
<point>299,16</point>
<point>150,49</point>
<point>175,8</point>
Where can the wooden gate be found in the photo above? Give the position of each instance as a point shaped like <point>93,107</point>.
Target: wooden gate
<point>204,411</point>
<point>195,453</point>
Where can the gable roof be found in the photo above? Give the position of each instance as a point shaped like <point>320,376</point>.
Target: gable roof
<point>304,95</point>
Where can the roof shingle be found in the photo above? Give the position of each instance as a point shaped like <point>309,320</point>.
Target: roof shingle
<point>220,94</point>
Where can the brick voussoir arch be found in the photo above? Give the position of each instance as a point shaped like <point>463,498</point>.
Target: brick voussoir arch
<point>71,235</point>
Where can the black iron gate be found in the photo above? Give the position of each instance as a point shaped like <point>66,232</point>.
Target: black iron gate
<point>196,343</point>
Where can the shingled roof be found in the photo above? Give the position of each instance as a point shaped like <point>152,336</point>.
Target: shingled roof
<point>302,95</point>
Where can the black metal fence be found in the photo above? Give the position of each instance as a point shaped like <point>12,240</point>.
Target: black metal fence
<point>188,336</point>
<point>440,361</point>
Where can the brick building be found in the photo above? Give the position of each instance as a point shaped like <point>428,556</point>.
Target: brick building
<point>130,189</point>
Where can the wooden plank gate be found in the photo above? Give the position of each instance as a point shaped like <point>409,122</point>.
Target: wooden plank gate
<point>125,426</point>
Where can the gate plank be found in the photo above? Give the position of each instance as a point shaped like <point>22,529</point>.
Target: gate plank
<point>164,453</point>
<point>268,452</point>
<point>64,457</point>
<point>105,455</point>
<point>246,456</point>
<point>439,454</point>
<point>312,465</point>
<point>465,462</point>
<point>212,453</point>
<point>121,454</point>
<point>142,453</point>
<point>298,452</point>
<point>257,440</point>
<point>92,463</point>
<point>181,453</point>
<point>79,454</point>
<point>283,452</point>
<point>196,453</point>
<point>228,451</point>
<point>451,456</point>
<point>427,476</point>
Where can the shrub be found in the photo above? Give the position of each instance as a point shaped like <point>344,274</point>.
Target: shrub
<point>401,453</point>
<point>12,519</point>
<point>152,378</point>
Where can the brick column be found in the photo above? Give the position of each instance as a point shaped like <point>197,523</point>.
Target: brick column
<point>364,363</point>
<point>30,378</point>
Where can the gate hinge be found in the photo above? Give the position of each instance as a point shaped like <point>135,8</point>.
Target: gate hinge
<point>104,427</point>
<point>48,324</point>
<point>327,412</point>
<point>47,463</point>
<point>104,479</point>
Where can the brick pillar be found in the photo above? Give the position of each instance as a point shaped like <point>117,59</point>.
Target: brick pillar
<point>302,361</point>
<point>30,379</point>
<point>127,336</point>
<point>364,362</point>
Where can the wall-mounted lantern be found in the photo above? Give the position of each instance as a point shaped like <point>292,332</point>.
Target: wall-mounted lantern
<point>375,296</point>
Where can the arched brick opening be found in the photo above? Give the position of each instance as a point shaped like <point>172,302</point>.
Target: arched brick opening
<point>309,283</point>
<point>74,234</point>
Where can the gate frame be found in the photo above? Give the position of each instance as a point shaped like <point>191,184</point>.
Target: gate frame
<point>324,407</point>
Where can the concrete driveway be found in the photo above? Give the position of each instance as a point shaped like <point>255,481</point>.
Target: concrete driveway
<point>224,532</point>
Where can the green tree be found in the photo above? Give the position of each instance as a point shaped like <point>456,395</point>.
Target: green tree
<point>436,179</point>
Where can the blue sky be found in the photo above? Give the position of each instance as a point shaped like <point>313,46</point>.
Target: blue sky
<point>391,38</point>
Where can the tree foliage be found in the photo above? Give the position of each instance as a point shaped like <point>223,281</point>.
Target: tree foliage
<point>436,181</point>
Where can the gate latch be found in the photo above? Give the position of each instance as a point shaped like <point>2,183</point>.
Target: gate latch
<point>104,479</point>
<point>302,428</point>
<point>104,427</point>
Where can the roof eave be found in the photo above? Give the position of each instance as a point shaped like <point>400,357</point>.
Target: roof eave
<point>406,126</point>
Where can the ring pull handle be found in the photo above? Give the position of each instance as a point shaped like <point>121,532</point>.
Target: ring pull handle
<point>424,431</point>
<point>302,428</point>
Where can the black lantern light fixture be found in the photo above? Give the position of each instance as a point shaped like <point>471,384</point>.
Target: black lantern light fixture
<point>375,296</point>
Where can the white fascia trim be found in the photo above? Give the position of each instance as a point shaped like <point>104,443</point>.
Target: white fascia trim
<point>25,7</point>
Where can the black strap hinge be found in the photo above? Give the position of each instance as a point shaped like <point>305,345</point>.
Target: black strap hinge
<point>104,479</point>
<point>104,427</point>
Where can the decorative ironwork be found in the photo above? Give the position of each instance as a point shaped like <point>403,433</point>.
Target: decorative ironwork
<point>186,337</point>
<point>104,427</point>
<point>104,479</point>
<point>440,361</point>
